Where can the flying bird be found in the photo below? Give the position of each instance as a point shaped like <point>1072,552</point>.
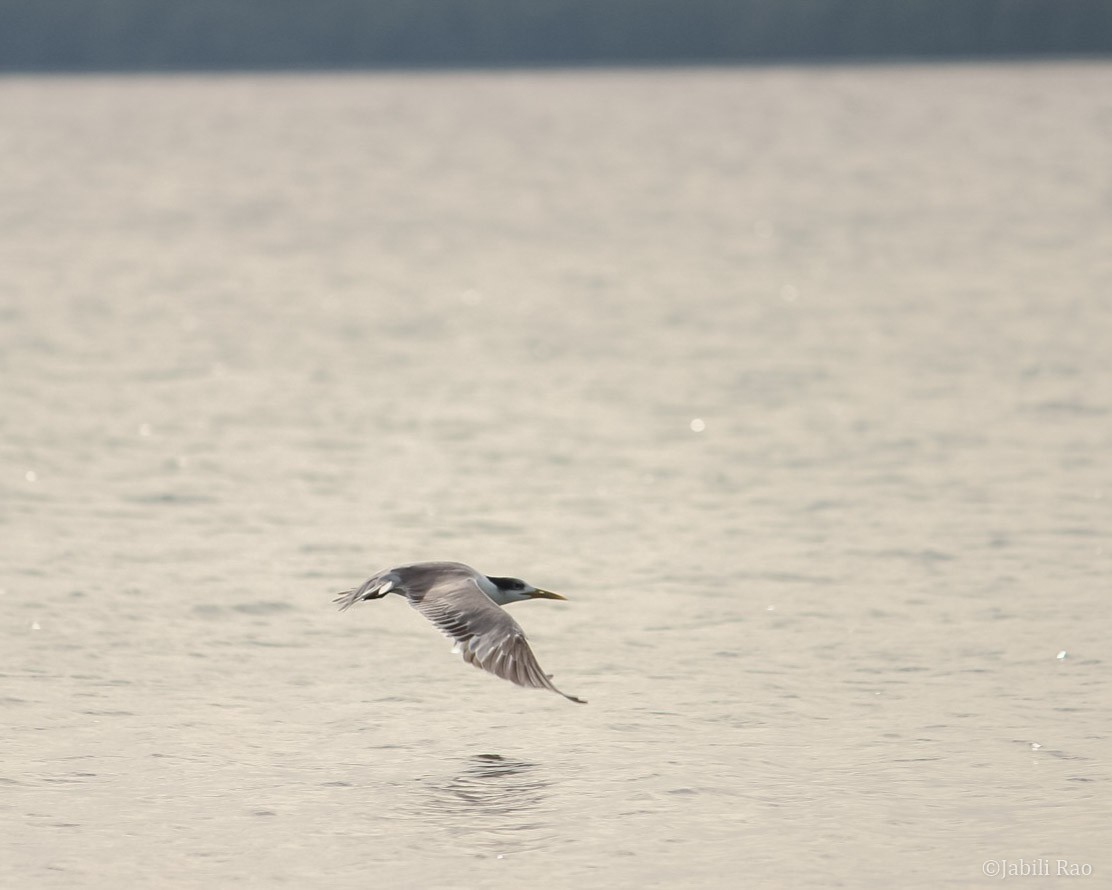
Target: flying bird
<point>467,608</point>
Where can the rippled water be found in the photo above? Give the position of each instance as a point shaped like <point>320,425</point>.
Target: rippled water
<point>795,381</point>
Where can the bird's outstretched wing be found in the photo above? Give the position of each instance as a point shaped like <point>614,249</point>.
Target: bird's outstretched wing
<point>486,635</point>
<point>414,582</point>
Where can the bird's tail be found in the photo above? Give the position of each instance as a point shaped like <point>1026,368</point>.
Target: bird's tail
<point>346,598</point>
<point>371,589</point>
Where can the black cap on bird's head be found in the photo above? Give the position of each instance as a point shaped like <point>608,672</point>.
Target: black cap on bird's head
<point>517,589</point>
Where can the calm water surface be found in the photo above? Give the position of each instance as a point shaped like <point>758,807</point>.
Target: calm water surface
<point>795,381</point>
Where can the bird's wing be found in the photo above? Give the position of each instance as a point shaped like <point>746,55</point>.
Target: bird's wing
<point>413,581</point>
<point>486,634</point>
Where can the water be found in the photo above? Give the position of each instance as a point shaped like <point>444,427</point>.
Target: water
<point>795,381</point>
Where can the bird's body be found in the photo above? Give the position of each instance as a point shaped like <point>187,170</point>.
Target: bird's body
<point>467,608</point>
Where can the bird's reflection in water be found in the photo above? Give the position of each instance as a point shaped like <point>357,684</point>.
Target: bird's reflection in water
<point>494,802</point>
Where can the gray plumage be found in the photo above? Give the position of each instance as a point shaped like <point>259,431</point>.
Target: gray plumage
<point>467,608</point>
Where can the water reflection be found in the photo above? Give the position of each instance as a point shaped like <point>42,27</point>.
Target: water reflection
<point>494,802</point>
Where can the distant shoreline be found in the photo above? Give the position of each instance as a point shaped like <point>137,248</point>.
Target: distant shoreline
<point>555,68</point>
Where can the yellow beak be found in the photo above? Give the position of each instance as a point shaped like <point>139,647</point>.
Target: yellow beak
<point>546,595</point>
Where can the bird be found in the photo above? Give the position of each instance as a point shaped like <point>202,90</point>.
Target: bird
<point>466,606</point>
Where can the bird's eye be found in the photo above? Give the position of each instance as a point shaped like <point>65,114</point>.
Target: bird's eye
<point>519,585</point>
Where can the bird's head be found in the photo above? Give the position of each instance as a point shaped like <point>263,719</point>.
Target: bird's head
<point>514,590</point>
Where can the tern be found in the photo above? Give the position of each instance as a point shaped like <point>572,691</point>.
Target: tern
<point>466,606</point>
